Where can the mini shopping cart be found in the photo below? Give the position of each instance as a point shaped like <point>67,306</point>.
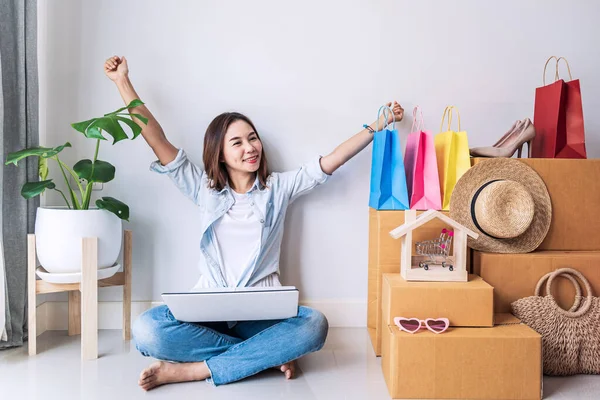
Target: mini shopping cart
<point>437,250</point>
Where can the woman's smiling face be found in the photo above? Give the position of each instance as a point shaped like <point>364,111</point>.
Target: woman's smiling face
<point>242,148</point>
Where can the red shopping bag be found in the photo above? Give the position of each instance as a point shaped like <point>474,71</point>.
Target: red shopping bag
<point>558,118</point>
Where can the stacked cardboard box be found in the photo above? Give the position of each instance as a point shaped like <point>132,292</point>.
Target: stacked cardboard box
<point>515,276</point>
<point>503,362</point>
<point>463,303</point>
<point>573,240</point>
<point>384,256</point>
<point>474,358</point>
<point>575,195</point>
<point>473,361</point>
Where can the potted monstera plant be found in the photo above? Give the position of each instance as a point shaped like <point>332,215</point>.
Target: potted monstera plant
<point>59,230</point>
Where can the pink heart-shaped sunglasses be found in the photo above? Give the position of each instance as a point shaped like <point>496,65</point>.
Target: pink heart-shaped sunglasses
<point>412,325</point>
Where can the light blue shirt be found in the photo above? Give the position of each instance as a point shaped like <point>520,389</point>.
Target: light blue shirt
<point>269,203</point>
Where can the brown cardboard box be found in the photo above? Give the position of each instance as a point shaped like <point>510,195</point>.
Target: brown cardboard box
<point>384,257</point>
<point>575,195</point>
<point>503,362</point>
<point>515,276</point>
<point>463,303</point>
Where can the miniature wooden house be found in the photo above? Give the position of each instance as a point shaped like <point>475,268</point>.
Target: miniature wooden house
<point>439,259</point>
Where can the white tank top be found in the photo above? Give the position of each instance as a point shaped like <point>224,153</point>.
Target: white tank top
<point>238,238</point>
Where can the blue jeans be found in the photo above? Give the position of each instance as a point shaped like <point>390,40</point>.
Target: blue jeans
<point>233,353</point>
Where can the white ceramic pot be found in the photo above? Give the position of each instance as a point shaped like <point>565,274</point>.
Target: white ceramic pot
<point>58,234</point>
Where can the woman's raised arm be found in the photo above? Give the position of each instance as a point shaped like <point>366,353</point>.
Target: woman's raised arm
<point>117,70</point>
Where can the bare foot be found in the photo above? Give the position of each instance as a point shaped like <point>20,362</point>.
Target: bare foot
<point>288,369</point>
<point>161,372</point>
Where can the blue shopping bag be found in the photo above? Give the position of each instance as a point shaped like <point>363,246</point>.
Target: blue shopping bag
<point>388,179</point>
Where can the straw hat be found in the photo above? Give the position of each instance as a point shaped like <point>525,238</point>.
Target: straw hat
<point>505,201</point>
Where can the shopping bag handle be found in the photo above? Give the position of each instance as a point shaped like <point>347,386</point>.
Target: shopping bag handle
<point>568,68</point>
<point>555,71</point>
<point>588,301</point>
<point>576,303</point>
<point>556,75</point>
<point>420,123</point>
<point>449,110</point>
<point>385,109</point>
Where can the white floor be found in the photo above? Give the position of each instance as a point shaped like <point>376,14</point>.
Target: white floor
<point>345,368</point>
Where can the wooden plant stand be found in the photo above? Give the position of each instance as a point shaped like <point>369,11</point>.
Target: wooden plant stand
<point>83,296</point>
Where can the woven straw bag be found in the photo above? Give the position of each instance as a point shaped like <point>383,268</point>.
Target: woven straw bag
<point>570,339</point>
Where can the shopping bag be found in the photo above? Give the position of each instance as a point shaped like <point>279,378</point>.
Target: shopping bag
<point>453,158</point>
<point>388,180</point>
<point>422,179</point>
<point>558,118</point>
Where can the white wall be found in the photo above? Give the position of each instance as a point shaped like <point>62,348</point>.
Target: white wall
<point>309,74</point>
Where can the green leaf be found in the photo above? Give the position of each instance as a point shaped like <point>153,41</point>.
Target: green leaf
<point>100,171</point>
<point>44,152</point>
<point>32,189</point>
<point>113,205</point>
<point>111,124</point>
<point>138,116</point>
<point>112,127</point>
<point>141,118</point>
<point>83,125</point>
<point>135,128</point>
<point>94,132</point>
<point>43,167</point>
<point>134,103</point>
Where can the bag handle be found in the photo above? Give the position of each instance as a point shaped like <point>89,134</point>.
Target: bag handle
<point>449,110</point>
<point>420,124</point>
<point>578,296</point>
<point>555,71</point>
<point>586,305</point>
<point>385,109</point>
<point>556,76</point>
<point>568,68</point>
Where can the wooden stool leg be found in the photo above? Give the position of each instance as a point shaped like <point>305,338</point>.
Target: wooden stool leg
<point>127,286</point>
<point>74,312</point>
<point>31,295</point>
<point>89,297</point>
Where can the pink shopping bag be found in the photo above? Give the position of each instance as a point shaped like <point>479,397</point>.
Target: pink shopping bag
<point>420,163</point>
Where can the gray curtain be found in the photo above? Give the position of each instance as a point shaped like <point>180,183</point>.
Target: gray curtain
<point>18,129</point>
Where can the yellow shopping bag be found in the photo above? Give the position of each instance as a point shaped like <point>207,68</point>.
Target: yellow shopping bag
<point>452,151</point>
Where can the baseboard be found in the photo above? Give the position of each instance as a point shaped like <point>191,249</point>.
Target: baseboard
<point>345,313</point>
<point>54,315</point>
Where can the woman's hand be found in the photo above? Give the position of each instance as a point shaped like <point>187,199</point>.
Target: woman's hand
<point>354,145</point>
<point>116,68</point>
<point>386,118</point>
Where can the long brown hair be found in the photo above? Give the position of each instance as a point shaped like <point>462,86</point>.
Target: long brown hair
<point>213,150</point>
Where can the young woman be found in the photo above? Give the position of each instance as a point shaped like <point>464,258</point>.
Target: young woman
<point>242,210</point>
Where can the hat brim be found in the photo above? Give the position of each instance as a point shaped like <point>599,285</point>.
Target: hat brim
<point>505,169</point>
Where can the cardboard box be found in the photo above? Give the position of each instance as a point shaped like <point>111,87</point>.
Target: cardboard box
<point>575,195</point>
<point>463,303</point>
<point>502,362</point>
<point>515,276</point>
<point>384,257</point>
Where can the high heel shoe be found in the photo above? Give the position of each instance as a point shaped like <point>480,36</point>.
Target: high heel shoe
<point>515,126</point>
<point>522,132</point>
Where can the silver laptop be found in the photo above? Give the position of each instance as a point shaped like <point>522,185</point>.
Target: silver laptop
<point>234,304</point>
